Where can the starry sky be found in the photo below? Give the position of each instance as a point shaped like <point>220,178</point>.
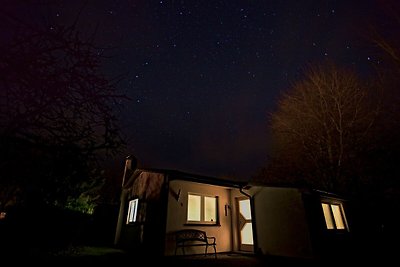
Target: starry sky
<point>202,76</point>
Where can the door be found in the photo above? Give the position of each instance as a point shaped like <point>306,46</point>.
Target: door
<point>245,228</point>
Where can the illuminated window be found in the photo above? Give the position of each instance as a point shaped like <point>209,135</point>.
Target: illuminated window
<point>202,209</point>
<point>132,211</point>
<point>194,208</point>
<point>334,216</point>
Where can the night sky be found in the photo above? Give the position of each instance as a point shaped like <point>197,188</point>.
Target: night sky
<point>203,76</point>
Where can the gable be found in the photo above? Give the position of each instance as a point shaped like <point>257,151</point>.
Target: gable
<point>147,186</point>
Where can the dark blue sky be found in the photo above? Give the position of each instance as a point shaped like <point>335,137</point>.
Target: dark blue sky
<point>203,76</point>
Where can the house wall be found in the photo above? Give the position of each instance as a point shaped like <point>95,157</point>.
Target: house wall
<point>281,224</point>
<point>148,230</point>
<point>177,214</point>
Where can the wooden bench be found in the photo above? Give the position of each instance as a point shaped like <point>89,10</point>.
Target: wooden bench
<point>194,237</point>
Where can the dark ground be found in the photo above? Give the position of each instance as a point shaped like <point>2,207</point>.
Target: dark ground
<point>112,256</point>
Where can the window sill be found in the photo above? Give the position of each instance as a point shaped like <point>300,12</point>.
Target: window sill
<point>337,231</point>
<point>202,224</point>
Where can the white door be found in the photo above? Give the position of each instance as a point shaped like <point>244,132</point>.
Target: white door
<point>245,228</point>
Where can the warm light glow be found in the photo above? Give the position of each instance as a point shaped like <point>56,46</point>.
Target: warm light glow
<point>132,211</point>
<point>202,209</point>
<point>194,208</point>
<point>334,216</point>
<point>245,209</point>
<point>210,209</point>
<point>247,234</point>
<point>337,215</point>
<point>328,217</point>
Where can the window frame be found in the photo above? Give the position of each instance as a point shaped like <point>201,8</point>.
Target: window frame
<point>202,220</point>
<point>335,228</point>
<point>133,209</point>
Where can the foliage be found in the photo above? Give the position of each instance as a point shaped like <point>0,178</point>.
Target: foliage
<point>57,115</point>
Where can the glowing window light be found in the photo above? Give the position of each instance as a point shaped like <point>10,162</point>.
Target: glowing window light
<point>247,234</point>
<point>202,209</point>
<point>328,216</point>
<point>194,208</point>
<point>245,209</point>
<point>337,215</point>
<point>210,209</point>
<point>132,211</point>
<point>334,216</point>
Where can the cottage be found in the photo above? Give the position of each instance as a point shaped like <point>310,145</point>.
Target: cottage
<point>244,218</point>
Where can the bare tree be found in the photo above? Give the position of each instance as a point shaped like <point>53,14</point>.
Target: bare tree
<point>321,127</point>
<point>57,113</point>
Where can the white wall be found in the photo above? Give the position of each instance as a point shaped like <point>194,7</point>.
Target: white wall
<point>281,224</point>
<point>177,214</point>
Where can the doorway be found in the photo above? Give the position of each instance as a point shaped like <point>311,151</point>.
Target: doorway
<point>244,223</point>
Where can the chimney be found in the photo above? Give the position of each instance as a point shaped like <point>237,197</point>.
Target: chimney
<point>130,164</point>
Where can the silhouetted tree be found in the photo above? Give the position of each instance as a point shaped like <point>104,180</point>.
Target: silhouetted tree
<point>386,184</point>
<point>57,115</point>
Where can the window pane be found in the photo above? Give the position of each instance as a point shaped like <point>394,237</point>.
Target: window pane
<point>328,216</point>
<point>337,215</point>
<point>210,209</point>
<point>194,204</point>
<point>245,208</point>
<point>132,211</point>
<point>247,234</point>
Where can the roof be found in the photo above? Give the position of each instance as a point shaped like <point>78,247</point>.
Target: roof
<point>171,174</point>
<point>329,195</point>
<point>185,176</point>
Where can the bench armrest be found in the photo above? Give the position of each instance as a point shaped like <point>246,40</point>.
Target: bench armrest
<point>212,238</point>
